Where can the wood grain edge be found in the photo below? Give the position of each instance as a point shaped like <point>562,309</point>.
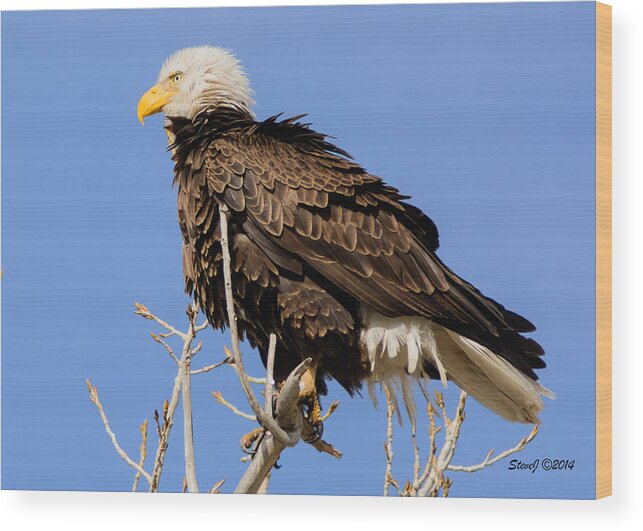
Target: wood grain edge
<point>603,250</point>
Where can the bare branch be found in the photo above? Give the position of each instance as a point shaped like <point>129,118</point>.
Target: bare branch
<point>330,410</point>
<point>142,453</point>
<point>181,387</point>
<point>326,448</point>
<point>416,458</point>
<point>198,348</point>
<point>488,461</point>
<point>197,329</point>
<point>216,489</point>
<point>251,379</point>
<point>270,362</point>
<point>263,489</point>
<point>290,419</point>
<point>433,480</point>
<point>267,421</point>
<point>168,421</point>
<point>289,414</point>
<point>146,314</point>
<point>219,398</point>
<point>209,368</point>
<point>188,432</point>
<point>266,457</point>
<point>431,483</point>
<point>434,429</point>
<point>281,428</point>
<point>158,424</point>
<point>388,445</point>
<point>93,396</point>
<point>169,349</point>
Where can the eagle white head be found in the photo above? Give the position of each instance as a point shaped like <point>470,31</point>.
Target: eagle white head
<point>197,79</point>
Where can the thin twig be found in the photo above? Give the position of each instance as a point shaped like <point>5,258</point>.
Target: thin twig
<point>326,448</point>
<point>216,489</point>
<point>251,379</point>
<point>330,410</point>
<point>219,398</point>
<point>488,461</point>
<point>198,348</point>
<point>198,329</point>
<point>182,388</point>
<point>436,479</point>
<point>388,445</point>
<point>169,349</point>
<point>158,424</point>
<point>433,431</point>
<point>209,368</point>
<point>93,396</point>
<point>146,314</point>
<point>168,421</point>
<point>416,458</point>
<point>142,453</point>
<point>433,480</point>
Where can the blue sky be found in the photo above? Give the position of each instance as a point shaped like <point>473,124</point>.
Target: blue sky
<point>484,113</point>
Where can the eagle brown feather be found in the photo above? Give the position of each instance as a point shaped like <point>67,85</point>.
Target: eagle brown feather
<point>316,237</point>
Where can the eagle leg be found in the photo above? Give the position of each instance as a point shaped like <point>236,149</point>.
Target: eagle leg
<point>248,441</point>
<point>312,408</point>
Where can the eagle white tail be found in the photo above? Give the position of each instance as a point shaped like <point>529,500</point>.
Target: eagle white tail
<point>397,347</point>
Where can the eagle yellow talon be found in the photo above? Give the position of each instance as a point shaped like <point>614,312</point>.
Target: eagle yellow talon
<point>313,413</point>
<point>312,407</point>
<point>249,439</point>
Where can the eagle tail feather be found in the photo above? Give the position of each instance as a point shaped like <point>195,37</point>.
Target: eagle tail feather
<point>392,346</point>
<point>492,380</point>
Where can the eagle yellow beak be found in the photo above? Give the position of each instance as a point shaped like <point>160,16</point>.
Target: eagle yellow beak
<point>154,100</point>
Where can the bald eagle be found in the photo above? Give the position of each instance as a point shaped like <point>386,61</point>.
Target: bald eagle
<point>333,261</point>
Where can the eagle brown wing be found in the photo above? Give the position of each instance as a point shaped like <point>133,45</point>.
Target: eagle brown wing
<point>346,224</point>
<point>305,202</point>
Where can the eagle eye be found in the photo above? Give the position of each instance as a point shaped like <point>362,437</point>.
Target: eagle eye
<point>176,77</point>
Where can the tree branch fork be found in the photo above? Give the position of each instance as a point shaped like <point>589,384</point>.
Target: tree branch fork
<point>281,421</point>
<point>284,427</point>
<point>431,479</point>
